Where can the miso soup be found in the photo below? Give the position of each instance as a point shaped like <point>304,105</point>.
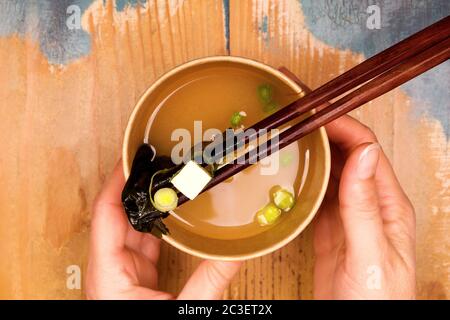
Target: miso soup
<point>212,96</point>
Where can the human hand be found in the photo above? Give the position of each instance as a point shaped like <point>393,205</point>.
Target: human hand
<point>122,261</point>
<point>364,235</point>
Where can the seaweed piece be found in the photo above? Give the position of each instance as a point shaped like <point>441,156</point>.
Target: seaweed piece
<point>143,216</point>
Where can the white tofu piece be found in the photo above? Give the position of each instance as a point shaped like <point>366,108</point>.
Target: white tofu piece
<point>191,179</point>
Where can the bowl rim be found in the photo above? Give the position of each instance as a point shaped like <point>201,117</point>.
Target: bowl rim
<point>281,76</point>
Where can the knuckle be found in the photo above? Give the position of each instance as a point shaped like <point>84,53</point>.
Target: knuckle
<point>369,135</point>
<point>364,207</point>
<point>216,276</point>
<point>368,214</point>
<point>362,201</point>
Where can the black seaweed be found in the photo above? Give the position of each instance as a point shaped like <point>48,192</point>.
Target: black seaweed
<point>143,216</point>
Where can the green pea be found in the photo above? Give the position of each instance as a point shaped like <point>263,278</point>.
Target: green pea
<point>237,118</point>
<point>265,93</point>
<point>268,215</point>
<point>165,199</point>
<point>283,199</point>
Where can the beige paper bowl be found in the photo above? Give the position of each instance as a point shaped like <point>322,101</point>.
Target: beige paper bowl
<point>263,243</point>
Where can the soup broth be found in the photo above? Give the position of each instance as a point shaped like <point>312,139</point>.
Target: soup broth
<point>212,96</point>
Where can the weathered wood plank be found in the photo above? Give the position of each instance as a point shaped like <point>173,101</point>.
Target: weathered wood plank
<point>276,33</point>
<point>62,128</point>
<point>63,119</point>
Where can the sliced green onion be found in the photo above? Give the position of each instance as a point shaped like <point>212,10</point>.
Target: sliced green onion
<point>162,171</point>
<point>265,93</point>
<point>283,199</point>
<point>237,118</point>
<point>165,199</point>
<point>286,158</point>
<point>268,215</point>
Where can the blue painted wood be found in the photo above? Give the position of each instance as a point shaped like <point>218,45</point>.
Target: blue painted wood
<point>342,24</point>
<point>46,22</point>
<point>226,15</point>
<point>339,23</point>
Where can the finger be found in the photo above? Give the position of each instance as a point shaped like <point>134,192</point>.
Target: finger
<point>328,234</point>
<point>348,133</point>
<point>111,192</point>
<point>133,293</point>
<point>141,293</point>
<point>337,164</point>
<point>324,275</point>
<point>109,223</point>
<point>359,205</point>
<point>144,243</point>
<point>151,247</point>
<point>338,161</point>
<point>210,280</point>
<point>146,273</point>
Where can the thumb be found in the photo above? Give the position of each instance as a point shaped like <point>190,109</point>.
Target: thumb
<point>210,280</point>
<point>359,205</point>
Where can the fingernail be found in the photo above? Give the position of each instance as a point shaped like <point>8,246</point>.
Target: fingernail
<point>368,161</point>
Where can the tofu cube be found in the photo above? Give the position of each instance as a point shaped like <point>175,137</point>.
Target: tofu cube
<point>191,179</point>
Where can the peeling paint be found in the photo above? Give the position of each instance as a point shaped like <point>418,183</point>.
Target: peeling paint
<point>264,29</point>
<point>342,24</point>
<point>261,11</point>
<point>45,22</point>
<point>122,4</point>
<point>226,18</point>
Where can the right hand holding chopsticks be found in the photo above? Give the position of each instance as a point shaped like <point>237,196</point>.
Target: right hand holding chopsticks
<point>365,233</point>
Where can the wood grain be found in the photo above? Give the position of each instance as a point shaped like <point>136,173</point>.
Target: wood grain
<point>62,128</point>
<point>283,39</point>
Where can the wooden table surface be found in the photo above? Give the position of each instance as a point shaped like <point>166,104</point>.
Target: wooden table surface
<point>66,92</point>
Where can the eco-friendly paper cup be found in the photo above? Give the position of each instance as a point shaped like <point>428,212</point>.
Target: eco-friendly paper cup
<point>312,193</point>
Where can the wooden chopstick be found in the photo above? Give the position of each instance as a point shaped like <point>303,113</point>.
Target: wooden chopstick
<point>370,68</point>
<point>405,70</point>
